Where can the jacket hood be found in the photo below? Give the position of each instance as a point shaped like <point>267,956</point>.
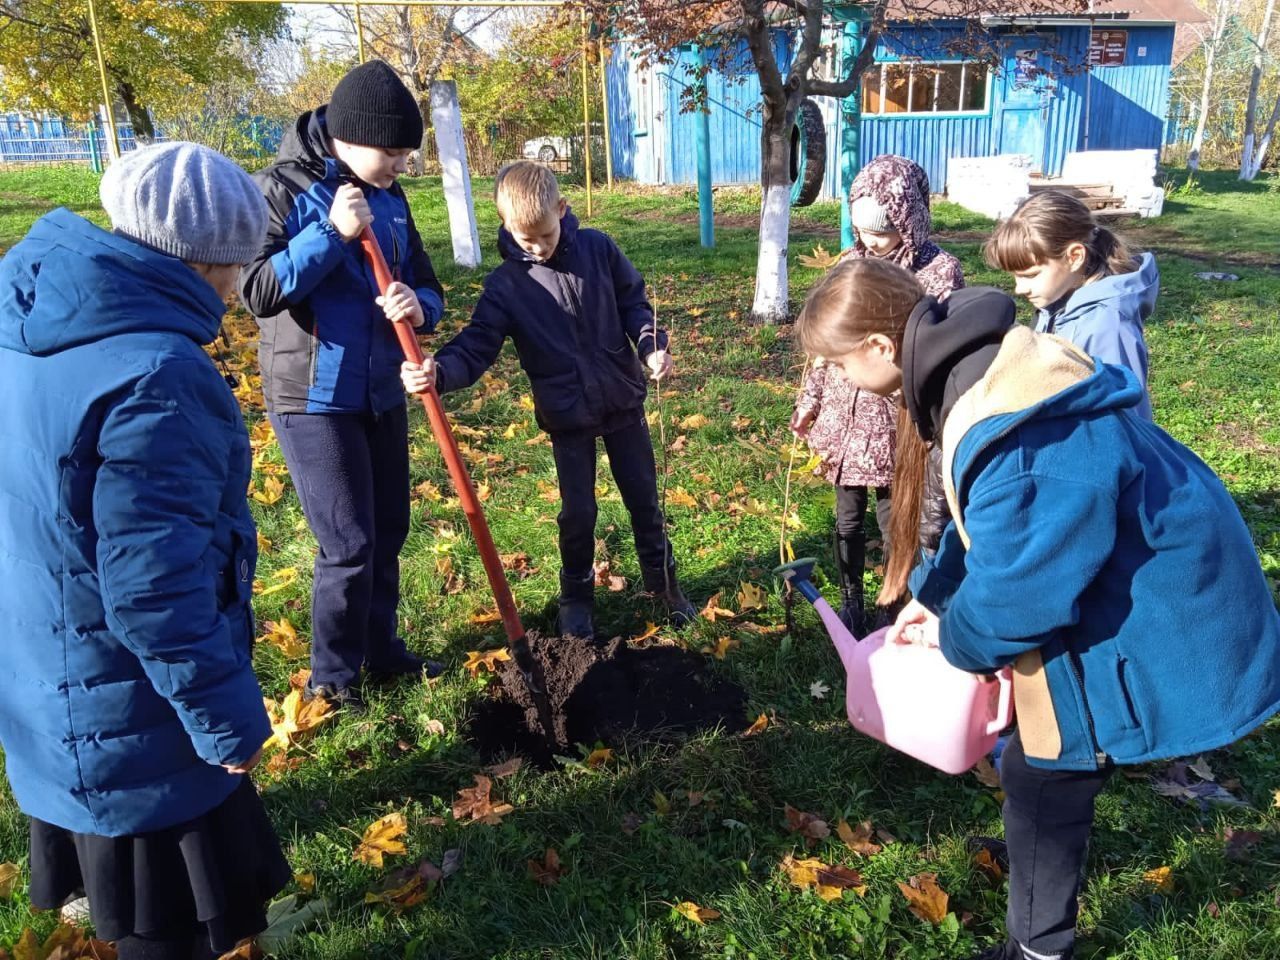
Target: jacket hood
<point>1033,376</point>
<point>1133,294</point>
<point>68,283</point>
<point>942,338</point>
<point>307,143</point>
<point>902,187</point>
<point>511,250</point>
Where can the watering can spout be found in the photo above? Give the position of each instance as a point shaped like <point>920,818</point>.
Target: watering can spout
<point>798,573</point>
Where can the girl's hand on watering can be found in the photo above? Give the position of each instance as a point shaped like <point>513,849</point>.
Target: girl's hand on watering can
<point>418,377</point>
<point>401,304</point>
<point>660,364</point>
<point>916,624</point>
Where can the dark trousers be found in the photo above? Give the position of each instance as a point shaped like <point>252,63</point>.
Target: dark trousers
<point>1048,815</point>
<point>631,461</point>
<point>851,511</point>
<point>351,472</point>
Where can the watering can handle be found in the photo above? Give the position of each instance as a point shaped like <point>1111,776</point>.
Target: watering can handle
<point>1004,707</point>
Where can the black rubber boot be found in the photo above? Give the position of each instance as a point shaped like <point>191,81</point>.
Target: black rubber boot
<point>851,557</point>
<point>666,589</point>
<point>577,603</point>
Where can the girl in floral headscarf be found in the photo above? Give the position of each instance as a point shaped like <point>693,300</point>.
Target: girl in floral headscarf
<point>853,431</point>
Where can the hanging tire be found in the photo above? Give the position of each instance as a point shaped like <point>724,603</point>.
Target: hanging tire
<point>808,154</point>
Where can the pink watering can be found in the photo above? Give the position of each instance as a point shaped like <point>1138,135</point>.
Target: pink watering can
<point>908,696</point>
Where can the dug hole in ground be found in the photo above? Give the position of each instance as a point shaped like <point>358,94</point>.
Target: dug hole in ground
<point>603,693</point>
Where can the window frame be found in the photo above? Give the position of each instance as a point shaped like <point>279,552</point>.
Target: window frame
<point>984,110</point>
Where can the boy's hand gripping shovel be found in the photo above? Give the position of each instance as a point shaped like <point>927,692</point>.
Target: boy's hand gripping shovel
<point>516,636</point>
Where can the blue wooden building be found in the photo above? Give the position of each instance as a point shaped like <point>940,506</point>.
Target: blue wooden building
<point>1058,84</point>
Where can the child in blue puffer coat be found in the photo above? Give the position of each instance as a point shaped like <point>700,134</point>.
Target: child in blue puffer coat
<point>1088,549</point>
<point>131,713</point>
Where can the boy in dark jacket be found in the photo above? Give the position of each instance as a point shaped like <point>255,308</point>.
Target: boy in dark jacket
<point>576,309</point>
<point>330,358</point>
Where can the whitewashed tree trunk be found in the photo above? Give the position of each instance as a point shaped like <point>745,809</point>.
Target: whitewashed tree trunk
<point>1264,144</point>
<point>772,291</point>
<point>1212,42</point>
<point>446,119</point>
<point>1250,163</point>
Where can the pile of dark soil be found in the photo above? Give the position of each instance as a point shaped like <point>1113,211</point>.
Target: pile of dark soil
<point>604,693</point>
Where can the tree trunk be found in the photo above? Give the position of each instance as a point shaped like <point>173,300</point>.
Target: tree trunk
<point>1248,165</point>
<point>139,119</point>
<point>1210,57</point>
<point>772,298</point>
<point>1264,144</point>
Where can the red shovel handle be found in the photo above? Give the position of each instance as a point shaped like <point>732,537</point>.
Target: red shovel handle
<point>452,455</point>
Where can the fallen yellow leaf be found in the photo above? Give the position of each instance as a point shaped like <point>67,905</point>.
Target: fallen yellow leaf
<point>382,837</point>
<point>306,882</point>
<point>488,660</point>
<point>750,597</point>
<point>1160,879</point>
<point>694,422</point>
<point>282,635</point>
<point>482,617</point>
<point>722,647</point>
<point>757,727</point>
<point>819,260</point>
<point>9,874</point>
<point>599,757</point>
<point>272,490</point>
<point>713,610</point>
<point>682,498</point>
<point>295,718</point>
<point>264,545</point>
<point>699,915</point>
<point>650,630</point>
<point>927,900</point>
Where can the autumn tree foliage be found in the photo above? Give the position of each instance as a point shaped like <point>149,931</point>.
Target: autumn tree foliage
<point>659,28</point>
<point>156,51</point>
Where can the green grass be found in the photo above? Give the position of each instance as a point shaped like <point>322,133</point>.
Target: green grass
<point>1215,355</point>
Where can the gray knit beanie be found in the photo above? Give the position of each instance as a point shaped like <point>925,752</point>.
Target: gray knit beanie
<point>188,201</point>
<point>866,213</point>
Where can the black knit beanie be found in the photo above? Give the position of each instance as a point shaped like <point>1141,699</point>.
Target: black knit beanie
<point>371,107</point>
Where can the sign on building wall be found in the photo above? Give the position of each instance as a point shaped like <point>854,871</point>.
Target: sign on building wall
<point>1107,48</point>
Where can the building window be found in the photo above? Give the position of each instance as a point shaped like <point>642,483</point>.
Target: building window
<point>922,88</point>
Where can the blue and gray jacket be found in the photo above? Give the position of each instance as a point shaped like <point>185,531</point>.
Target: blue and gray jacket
<point>1105,320</point>
<point>326,347</point>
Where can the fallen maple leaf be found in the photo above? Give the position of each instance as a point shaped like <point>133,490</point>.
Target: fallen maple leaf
<point>295,718</point>
<point>9,874</point>
<point>549,872</point>
<point>406,888</point>
<point>433,727</point>
<point>986,774</point>
<point>1276,800</point>
<point>482,617</point>
<point>808,825</point>
<point>650,630</point>
<point>761,722</point>
<point>382,837</point>
<point>488,660</point>
<point>306,882</point>
<point>474,802</point>
<point>694,422</point>
<point>517,563</point>
<point>818,690</point>
<point>1160,879</point>
<point>699,915</point>
<point>750,597</point>
<point>272,490</point>
<point>820,259</point>
<point>834,880</point>
<point>1238,843</point>
<point>927,900</point>
<point>722,647</point>
<point>986,863</point>
<point>264,545</point>
<point>859,840</point>
<point>713,610</point>
<point>660,803</point>
<point>682,498</point>
<point>507,768</point>
<point>599,757</point>
<point>282,635</point>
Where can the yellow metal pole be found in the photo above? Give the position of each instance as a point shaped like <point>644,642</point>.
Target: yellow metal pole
<point>586,111</point>
<point>113,146</point>
<point>604,110</point>
<point>359,33</point>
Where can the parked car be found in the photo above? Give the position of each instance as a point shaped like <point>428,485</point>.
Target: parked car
<point>546,149</point>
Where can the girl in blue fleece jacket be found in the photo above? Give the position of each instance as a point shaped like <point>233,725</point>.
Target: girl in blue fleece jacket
<point>1085,283</point>
<point>1089,550</point>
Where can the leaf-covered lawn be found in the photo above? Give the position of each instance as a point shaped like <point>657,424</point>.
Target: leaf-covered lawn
<point>797,837</point>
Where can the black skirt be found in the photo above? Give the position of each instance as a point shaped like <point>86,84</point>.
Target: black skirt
<point>212,874</point>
